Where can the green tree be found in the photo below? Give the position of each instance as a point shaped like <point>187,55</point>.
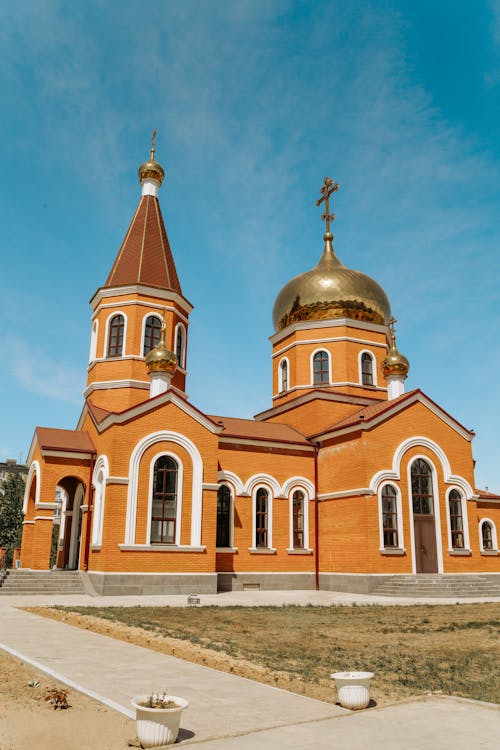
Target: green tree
<point>11,514</point>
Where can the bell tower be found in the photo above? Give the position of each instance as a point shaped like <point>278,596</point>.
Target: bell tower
<point>140,303</point>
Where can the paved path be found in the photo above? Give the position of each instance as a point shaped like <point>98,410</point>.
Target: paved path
<point>225,710</point>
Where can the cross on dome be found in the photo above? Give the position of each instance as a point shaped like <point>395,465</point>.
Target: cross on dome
<point>327,189</point>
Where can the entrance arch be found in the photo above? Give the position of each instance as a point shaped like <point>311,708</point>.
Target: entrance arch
<point>71,522</point>
<point>423,501</point>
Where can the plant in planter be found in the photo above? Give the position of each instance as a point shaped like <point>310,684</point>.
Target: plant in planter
<point>353,689</point>
<point>158,717</point>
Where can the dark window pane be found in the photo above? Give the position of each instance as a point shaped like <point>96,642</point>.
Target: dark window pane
<point>421,487</point>
<point>320,368</point>
<point>366,369</point>
<point>298,519</point>
<point>115,336</point>
<point>389,516</point>
<point>152,332</point>
<point>164,501</point>
<point>223,516</point>
<point>487,534</point>
<point>261,522</point>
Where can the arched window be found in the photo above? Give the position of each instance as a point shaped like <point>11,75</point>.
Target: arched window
<point>298,519</point>
<point>390,516</point>
<point>97,527</point>
<point>367,369</point>
<point>180,345</point>
<point>321,368</point>
<point>115,336</point>
<point>283,376</point>
<point>93,341</point>
<point>456,520</point>
<point>261,517</point>
<point>421,488</point>
<point>223,517</point>
<point>152,331</point>
<point>488,541</point>
<point>164,501</point>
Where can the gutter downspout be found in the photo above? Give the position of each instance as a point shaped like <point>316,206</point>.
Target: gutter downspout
<point>89,515</point>
<point>316,517</point>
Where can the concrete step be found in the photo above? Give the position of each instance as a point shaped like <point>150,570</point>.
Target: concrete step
<point>26,582</point>
<point>433,585</point>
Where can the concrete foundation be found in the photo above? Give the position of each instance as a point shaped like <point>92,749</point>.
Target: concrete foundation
<point>129,584</point>
<point>265,581</point>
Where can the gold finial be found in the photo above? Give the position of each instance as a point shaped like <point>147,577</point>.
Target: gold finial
<point>395,363</point>
<point>391,325</point>
<point>151,168</point>
<point>152,152</point>
<point>328,187</point>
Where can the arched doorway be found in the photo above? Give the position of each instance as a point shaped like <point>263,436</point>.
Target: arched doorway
<point>71,523</point>
<point>424,518</point>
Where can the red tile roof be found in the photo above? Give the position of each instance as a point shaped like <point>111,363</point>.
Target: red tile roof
<point>50,438</point>
<point>250,430</point>
<point>486,495</point>
<point>145,256</point>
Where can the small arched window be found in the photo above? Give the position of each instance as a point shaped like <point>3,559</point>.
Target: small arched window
<point>456,520</point>
<point>180,344</point>
<point>115,336</point>
<point>421,488</point>
<point>390,516</point>
<point>366,369</point>
<point>223,517</point>
<point>298,519</point>
<point>261,517</point>
<point>152,331</point>
<point>321,374</point>
<point>487,541</point>
<point>283,376</point>
<point>164,501</point>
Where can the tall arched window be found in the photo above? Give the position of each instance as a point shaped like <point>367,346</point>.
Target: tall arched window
<point>283,376</point>
<point>115,336</point>
<point>261,517</point>
<point>390,516</point>
<point>456,520</point>
<point>421,488</point>
<point>152,331</point>
<point>223,517</point>
<point>367,369</point>
<point>164,501</point>
<point>321,368</point>
<point>487,536</point>
<point>180,345</point>
<point>298,519</point>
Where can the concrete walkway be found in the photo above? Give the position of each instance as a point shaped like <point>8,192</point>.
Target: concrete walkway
<point>225,710</point>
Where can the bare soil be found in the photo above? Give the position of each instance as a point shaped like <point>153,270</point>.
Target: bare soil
<point>27,721</point>
<point>412,650</point>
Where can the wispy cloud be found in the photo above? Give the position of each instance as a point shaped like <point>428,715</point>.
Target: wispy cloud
<point>38,372</point>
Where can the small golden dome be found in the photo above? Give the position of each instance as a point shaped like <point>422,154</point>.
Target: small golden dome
<point>395,363</point>
<point>330,290</point>
<point>151,169</point>
<point>161,359</point>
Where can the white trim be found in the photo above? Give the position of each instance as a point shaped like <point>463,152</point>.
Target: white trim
<point>94,332</point>
<point>437,513</point>
<point>465,520</point>
<point>311,365</point>
<point>67,454</point>
<point>356,492</point>
<point>143,329</point>
<point>301,551</point>
<point>75,547</point>
<point>231,546</point>
<point>308,325</point>
<point>340,384</point>
<point>328,340</point>
<point>226,550</point>
<point>374,369</point>
<point>116,480</point>
<point>269,489</point>
<point>494,537</point>
<point>211,486</point>
<point>34,470</point>
<point>44,518</point>
<point>197,489</point>
<point>261,551</point>
<point>45,506</point>
<point>228,477</point>
<point>182,358</point>
<point>99,481</point>
<point>104,385</point>
<point>159,548</point>
<point>399,520</point>
<point>305,511</point>
<point>106,334</point>
<point>283,361</point>
<point>394,474</point>
<point>178,497</point>
<point>258,479</point>
<point>139,303</point>
<point>105,292</point>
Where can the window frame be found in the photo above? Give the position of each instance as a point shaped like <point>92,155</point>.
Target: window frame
<point>283,387</point>
<point>178,515</point>
<point>465,521</point>
<point>268,547</point>
<point>367,353</point>
<point>144,326</point>
<point>293,531</point>
<point>230,518</point>
<point>327,382</point>
<point>94,335</point>
<point>180,328</point>
<point>400,548</point>
<point>494,538</point>
<point>108,334</point>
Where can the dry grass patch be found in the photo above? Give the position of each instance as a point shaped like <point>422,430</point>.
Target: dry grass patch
<point>413,650</point>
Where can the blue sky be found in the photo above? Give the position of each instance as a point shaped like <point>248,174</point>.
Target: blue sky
<point>254,103</point>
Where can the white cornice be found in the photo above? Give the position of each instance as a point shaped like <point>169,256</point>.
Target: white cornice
<point>308,325</point>
<point>149,291</point>
<point>329,340</point>
<point>68,454</point>
<point>140,303</point>
<point>345,493</point>
<point>104,385</point>
<point>311,395</point>
<point>311,386</point>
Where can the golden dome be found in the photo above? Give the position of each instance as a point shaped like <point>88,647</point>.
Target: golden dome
<point>395,363</point>
<point>151,169</point>
<point>330,290</point>
<point>161,359</point>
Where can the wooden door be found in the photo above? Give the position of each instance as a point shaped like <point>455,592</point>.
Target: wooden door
<point>425,543</point>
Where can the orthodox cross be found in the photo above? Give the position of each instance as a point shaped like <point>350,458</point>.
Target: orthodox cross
<point>391,325</point>
<point>328,187</point>
<point>153,145</point>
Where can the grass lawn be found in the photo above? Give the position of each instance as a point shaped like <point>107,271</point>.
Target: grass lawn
<point>412,649</point>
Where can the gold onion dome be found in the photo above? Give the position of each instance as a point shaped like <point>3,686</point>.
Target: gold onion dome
<point>161,359</point>
<point>395,363</point>
<point>330,290</point>
<point>151,169</point>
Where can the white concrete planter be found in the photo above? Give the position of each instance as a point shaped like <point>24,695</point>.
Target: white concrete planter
<point>353,689</point>
<point>158,726</point>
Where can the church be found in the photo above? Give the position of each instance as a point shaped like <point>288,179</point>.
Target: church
<point>344,482</point>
